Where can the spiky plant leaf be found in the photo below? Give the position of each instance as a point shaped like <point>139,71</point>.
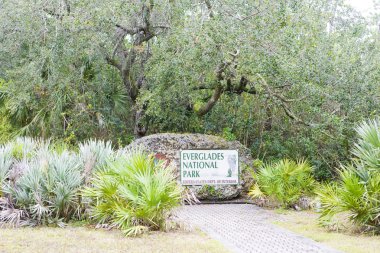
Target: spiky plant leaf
<point>357,194</point>
<point>285,181</point>
<point>135,193</point>
<point>5,164</point>
<point>367,148</point>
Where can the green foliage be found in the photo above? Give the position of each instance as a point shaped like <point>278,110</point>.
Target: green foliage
<point>323,72</point>
<point>319,56</point>
<point>95,155</point>
<point>40,185</point>
<point>5,165</point>
<point>356,196</point>
<point>285,182</point>
<point>367,148</point>
<point>135,193</point>
<point>40,182</point>
<point>228,134</point>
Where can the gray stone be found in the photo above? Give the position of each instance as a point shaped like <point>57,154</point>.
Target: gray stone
<point>168,146</point>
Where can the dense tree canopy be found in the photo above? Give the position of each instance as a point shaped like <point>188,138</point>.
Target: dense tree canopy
<point>287,78</point>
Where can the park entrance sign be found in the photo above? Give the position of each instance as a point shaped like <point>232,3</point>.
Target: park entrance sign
<point>178,151</point>
<point>209,167</point>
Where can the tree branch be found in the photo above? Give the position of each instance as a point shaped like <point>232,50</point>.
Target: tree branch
<point>235,89</point>
<point>284,103</point>
<point>211,102</point>
<point>218,90</point>
<point>113,62</point>
<point>209,7</point>
<point>130,31</point>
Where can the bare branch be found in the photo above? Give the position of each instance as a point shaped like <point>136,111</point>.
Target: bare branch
<point>130,31</point>
<point>53,13</point>
<point>292,115</point>
<point>283,102</point>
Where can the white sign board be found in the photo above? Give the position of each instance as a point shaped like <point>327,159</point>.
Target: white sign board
<point>209,167</point>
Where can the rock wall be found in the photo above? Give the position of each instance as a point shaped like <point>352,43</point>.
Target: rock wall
<point>168,146</point>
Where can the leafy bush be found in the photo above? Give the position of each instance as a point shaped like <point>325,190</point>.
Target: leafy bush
<point>228,134</point>
<point>357,195</point>
<point>284,182</point>
<point>41,186</point>
<point>135,193</point>
<point>40,183</point>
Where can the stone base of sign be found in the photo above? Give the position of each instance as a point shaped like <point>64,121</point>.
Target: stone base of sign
<point>167,147</point>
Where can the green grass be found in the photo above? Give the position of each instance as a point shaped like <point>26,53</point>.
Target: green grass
<point>80,239</point>
<point>306,224</point>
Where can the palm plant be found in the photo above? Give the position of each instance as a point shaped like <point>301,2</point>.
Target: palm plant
<point>284,182</point>
<point>94,155</point>
<point>135,194</point>
<point>45,191</point>
<point>354,198</point>
<point>367,148</point>
<point>357,194</point>
<point>5,164</point>
<point>25,147</point>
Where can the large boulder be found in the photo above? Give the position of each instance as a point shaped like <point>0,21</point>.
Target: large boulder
<point>167,147</point>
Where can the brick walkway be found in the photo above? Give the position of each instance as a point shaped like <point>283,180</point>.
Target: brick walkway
<point>246,228</point>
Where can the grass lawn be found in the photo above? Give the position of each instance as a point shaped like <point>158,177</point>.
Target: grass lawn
<point>305,223</point>
<point>80,239</point>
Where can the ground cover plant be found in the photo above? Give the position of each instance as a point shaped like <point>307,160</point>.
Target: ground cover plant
<point>283,182</point>
<point>42,183</point>
<point>134,193</point>
<point>356,196</point>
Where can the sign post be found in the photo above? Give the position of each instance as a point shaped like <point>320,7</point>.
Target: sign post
<point>209,167</point>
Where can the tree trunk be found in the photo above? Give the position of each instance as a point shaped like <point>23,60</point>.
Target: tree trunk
<point>139,129</point>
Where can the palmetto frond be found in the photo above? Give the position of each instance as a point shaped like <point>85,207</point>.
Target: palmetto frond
<point>367,149</point>
<point>134,194</point>
<point>5,164</point>
<point>94,155</point>
<point>285,181</point>
<point>44,184</point>
<point>357,194</point>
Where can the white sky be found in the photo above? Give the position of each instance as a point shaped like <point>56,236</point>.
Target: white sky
<point>364,6</point>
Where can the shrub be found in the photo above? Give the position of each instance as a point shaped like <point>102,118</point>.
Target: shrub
<point>44,192</point>
<point>284,182</point>
<point>40,183</point>
<point>228,134</point>
<point>357,194</point>
<point>135,193</point>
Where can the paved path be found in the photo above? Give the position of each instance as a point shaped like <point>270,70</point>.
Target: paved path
<point>246,228</point>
